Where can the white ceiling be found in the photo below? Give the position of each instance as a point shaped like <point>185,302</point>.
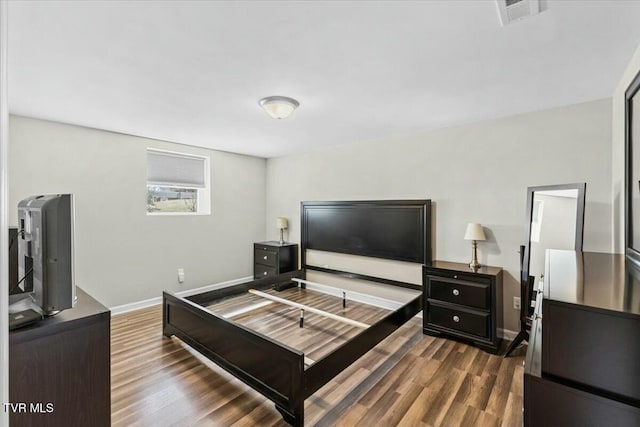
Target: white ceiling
<point>193,72</point>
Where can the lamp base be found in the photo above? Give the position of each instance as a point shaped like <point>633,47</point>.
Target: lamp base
<point>282,236</point>
<point>474,264</point>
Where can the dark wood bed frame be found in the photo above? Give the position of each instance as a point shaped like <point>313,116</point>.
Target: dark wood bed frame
<point>242,352</point>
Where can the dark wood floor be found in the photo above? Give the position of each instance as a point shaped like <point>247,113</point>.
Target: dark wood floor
<point>409,379</point>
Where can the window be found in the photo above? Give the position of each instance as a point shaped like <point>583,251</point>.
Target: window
<point>177,184</point>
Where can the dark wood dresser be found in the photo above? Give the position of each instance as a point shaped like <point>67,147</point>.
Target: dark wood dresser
<point>583,361</point>
<point>463,303</point>
<point>272,258</point>
<point>60,367</point>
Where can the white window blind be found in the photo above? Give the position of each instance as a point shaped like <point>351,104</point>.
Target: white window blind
<point>173,169</point>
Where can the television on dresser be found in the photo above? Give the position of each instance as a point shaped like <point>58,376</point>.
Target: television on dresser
<point>46,251</point>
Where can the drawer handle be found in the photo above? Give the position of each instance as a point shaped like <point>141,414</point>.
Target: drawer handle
<point>456,292</point>
<point>455,277</point>
<point>456,319</point>
<point>264,274</point>
<point>265,257</point>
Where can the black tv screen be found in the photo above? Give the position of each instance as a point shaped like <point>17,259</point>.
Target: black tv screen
<point>13,261</point>
<point>389,229</point>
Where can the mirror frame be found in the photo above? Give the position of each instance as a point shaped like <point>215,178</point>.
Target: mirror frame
<point>631,252</point>
<point>581,187</point>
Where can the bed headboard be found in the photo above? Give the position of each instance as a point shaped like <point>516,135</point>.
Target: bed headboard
<point>390,229</point>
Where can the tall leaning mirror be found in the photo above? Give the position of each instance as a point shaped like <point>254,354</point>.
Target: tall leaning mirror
<point>555,220</point>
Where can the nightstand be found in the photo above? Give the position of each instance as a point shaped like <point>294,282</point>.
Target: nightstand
<point>463,303</point>
<point>272,258</point>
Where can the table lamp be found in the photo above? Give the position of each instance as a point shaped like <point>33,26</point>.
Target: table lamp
<point>474,233</point>
<point>281,223</point>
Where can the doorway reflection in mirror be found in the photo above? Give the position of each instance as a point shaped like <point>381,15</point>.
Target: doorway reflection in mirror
<point>553,225</point>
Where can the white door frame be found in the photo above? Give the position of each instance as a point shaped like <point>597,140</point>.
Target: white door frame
<point>4,211</point>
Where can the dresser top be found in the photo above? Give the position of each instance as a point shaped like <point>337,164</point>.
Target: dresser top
<point>275,243</point>
<point>86,310</point>
<point>464,267</point>
<point>598,280</point>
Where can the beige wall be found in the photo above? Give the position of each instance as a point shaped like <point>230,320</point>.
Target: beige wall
<point>123,255</point>
<point>473,173</point>
<point>617,151</point>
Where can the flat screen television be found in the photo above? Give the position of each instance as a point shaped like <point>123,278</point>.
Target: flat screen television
<point>46,251</point>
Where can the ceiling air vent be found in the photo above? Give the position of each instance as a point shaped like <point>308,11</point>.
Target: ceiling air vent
<point>514,10</point>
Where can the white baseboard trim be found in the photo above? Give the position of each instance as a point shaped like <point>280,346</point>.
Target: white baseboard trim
<point>214,286</point>
<point>507,334</point>
<point>125,308</point>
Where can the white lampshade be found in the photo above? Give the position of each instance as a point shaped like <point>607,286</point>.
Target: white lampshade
<point>474,232</point>
<point>279,107</point>
<point>281,223</point>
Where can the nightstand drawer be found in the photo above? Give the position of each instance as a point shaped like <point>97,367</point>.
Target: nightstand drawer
<point>265,257</point>
<point>459,319</point>
<point>472,294</point>
<point>262,271</point>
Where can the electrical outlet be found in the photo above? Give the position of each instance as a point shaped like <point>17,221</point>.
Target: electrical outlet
<point>180,275</point>
<point>516,303</point>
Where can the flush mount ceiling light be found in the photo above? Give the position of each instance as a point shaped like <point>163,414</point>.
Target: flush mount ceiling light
<point>279,107</point>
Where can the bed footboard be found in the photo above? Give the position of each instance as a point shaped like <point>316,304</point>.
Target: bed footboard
<point>268,366</point>
<point>241,352</point>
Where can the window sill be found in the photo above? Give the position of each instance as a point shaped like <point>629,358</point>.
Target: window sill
<point>178,213</point>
